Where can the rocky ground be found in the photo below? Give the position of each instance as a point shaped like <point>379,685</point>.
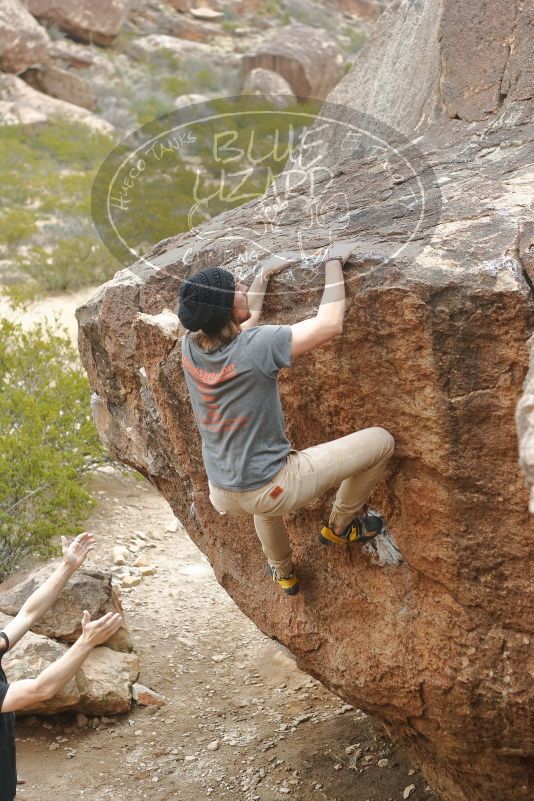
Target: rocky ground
<point>239,720</point>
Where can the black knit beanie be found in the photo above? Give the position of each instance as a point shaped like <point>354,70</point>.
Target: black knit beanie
<point>206,300</point>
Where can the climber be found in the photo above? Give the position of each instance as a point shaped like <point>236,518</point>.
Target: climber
<point>30,692</point>
<point>230,367</point>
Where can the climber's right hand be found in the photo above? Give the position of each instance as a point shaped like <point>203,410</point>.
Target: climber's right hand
<point>340,250</point>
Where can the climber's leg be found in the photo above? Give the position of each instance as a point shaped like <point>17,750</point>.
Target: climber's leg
<point>357,462</point>
<point>376,446</point>
<point>271,530</point>
<point>274,540</point>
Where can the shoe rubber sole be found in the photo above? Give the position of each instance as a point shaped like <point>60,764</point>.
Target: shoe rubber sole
<point>289,585</point>
<point>353,532</point>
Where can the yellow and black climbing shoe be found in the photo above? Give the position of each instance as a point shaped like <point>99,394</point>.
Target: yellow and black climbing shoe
<point>289,584</point>
<point>360,529</point>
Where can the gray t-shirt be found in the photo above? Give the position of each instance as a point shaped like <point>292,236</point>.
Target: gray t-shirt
<point>237,408</point>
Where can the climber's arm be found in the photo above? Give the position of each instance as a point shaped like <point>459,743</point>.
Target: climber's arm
<point>256,291</point>
<point>255,298</point>
<point>45,596</point>
<point>328,322</point>
<point>28,692</point>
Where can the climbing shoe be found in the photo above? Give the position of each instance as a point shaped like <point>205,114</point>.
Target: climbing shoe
<point>360,529</point>
<point>289,584</point>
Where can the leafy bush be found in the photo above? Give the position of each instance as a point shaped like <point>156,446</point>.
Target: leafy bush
<point>47,442</point>
<point>46,178</point>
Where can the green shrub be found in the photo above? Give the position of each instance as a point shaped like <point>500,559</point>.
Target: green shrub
<point>17,224</point>
<point>46,175</point>
<point>47,442</point>
<point>69,264</point>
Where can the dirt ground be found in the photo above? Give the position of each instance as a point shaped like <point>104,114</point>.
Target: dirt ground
<point>240,720</point>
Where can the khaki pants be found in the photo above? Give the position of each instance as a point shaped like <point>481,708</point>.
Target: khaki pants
<point>357,461</point>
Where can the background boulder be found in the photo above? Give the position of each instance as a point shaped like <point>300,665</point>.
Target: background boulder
<point>23,42</point>
<point>98,21</point>
<point>88,588</point>
<point>307,58</point>
<point>20,104</point>
<point>270,85</point>
<point>65,84</point>
<point>103,686</point>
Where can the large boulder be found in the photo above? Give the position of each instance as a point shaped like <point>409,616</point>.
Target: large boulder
<point>89,588</point>
<point>21,104</point>
<point>147,46</point>
<point>98,21</point>
<point>308,58</point>
<point>23,42</point>
<point>270,85</point>
<point>65,84</point>
<point>102,686</point>
<point>439,310</point>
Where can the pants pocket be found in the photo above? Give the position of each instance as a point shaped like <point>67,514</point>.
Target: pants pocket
<point>270,499</point>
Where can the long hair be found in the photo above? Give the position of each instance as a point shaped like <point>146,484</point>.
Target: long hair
<point>224,336</point>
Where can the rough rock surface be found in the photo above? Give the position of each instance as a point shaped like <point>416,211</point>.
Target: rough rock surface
<point>20,104</point>
<point>98,21</point>
<point>439,311</point>
<point>23,42</point>
<point>309,60</point>
<point>88,588</point>
<point>65,84</point>
<point>103,686</point>
<point>182,101</point>
<point>270,85</point>
<point>143,48</point>
<point>525,427</point>
<point>365,9</point>
<point>179,5</point>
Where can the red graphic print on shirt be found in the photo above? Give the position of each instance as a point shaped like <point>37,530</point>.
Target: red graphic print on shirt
<point>205,381</point>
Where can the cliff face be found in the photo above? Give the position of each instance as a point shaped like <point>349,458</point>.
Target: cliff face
<point>439,310</point>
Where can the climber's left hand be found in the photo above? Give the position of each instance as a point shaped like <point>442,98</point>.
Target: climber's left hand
<point>277,263</point>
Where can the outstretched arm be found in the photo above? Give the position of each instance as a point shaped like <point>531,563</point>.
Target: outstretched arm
<point>45,596</point>
<point>256,291</point>
<point>28,692</point>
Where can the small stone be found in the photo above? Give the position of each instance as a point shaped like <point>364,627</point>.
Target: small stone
<point>408,791</point>
<point>53,746</point>
<point>141,561</point>
<point>213,746</point>
<point>144,696</point>
<point>219,657</point>
<point>149,570</point>
<point>383,763</point>
<point>130,581</point>
<point>120,554</point>
<point>338,766</point>
<point>205,12</point>
<point>411,772</point>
